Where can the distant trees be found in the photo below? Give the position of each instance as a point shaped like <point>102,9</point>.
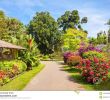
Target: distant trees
<point>108,23</point>
<point>100,39</point>
<point>71,19</point>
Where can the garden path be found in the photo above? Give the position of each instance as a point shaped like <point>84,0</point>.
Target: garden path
<point>52,77</point>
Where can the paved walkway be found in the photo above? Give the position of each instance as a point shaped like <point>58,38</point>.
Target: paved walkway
<point>52,78</point>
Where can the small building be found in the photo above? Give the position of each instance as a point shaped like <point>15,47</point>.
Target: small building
<point>8,50</point>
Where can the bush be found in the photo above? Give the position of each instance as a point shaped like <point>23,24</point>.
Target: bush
<point>95,71</point>
<point>45,57</point>
<point>92,54</point>
<point>3,77</point>
<point>8,65</point>
<point>86,49</point>
<point>66,55</point>
<point>9,69</point>
<point>74,60</point>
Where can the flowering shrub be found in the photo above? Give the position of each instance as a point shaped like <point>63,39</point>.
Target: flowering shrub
<point>95,71</point>
<point>66,55</point>
<point>92,54</point>
<point>3,77</point>
<point>2,74</point>
<point>9,69</point>
<point>74,60</point>
<point>89,48</point>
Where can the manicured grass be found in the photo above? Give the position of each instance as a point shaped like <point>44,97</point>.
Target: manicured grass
<point>21,81</point>
<point>76,76</point>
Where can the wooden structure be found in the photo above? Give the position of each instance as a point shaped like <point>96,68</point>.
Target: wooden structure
<point>8,50</point>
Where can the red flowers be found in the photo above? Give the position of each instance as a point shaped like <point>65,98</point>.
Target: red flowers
<point>95,70</point>
<point>2,74</point>
<point>91,73</point>
<point>96,60</point>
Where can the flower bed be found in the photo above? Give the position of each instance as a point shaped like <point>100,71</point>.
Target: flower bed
<point>9,69</point>
<point>92,62</point>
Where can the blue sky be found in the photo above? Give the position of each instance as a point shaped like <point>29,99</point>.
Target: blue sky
<point>97,11</point>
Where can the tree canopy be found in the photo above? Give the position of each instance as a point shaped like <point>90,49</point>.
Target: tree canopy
<point>9,27</point>
<point>73,38</point>
<point>45,30</point>
<point>71,19</point>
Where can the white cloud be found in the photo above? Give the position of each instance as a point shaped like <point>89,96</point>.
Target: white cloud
<point>96,20</point>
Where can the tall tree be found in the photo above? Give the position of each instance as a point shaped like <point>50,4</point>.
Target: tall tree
<point>10,27</point>
<point>45,30</point>
<point>73,38</point>
<point>71,20</point>
<point>3,25</point>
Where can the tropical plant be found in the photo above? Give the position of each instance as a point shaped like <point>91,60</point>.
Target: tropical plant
<point>31,53</point>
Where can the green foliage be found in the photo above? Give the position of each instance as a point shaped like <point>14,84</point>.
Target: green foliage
<point>45,30</point>
<point>45,57</point>
<point>73,38</point>
<point>6,80</point>
<point>92,54</point>
<point>71,19</point>
<point>93,40</point>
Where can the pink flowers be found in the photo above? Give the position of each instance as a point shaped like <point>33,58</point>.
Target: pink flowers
<point>91,62</point>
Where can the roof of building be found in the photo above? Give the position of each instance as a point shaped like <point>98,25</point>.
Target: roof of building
<point>4,44</point>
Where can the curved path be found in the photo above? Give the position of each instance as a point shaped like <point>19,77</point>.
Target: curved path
<point>52,78</point>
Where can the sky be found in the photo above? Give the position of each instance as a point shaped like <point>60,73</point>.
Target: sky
<point>97,11</point>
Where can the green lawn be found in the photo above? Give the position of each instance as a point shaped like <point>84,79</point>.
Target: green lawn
<point>21,81</point>
<point>76,76</point>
